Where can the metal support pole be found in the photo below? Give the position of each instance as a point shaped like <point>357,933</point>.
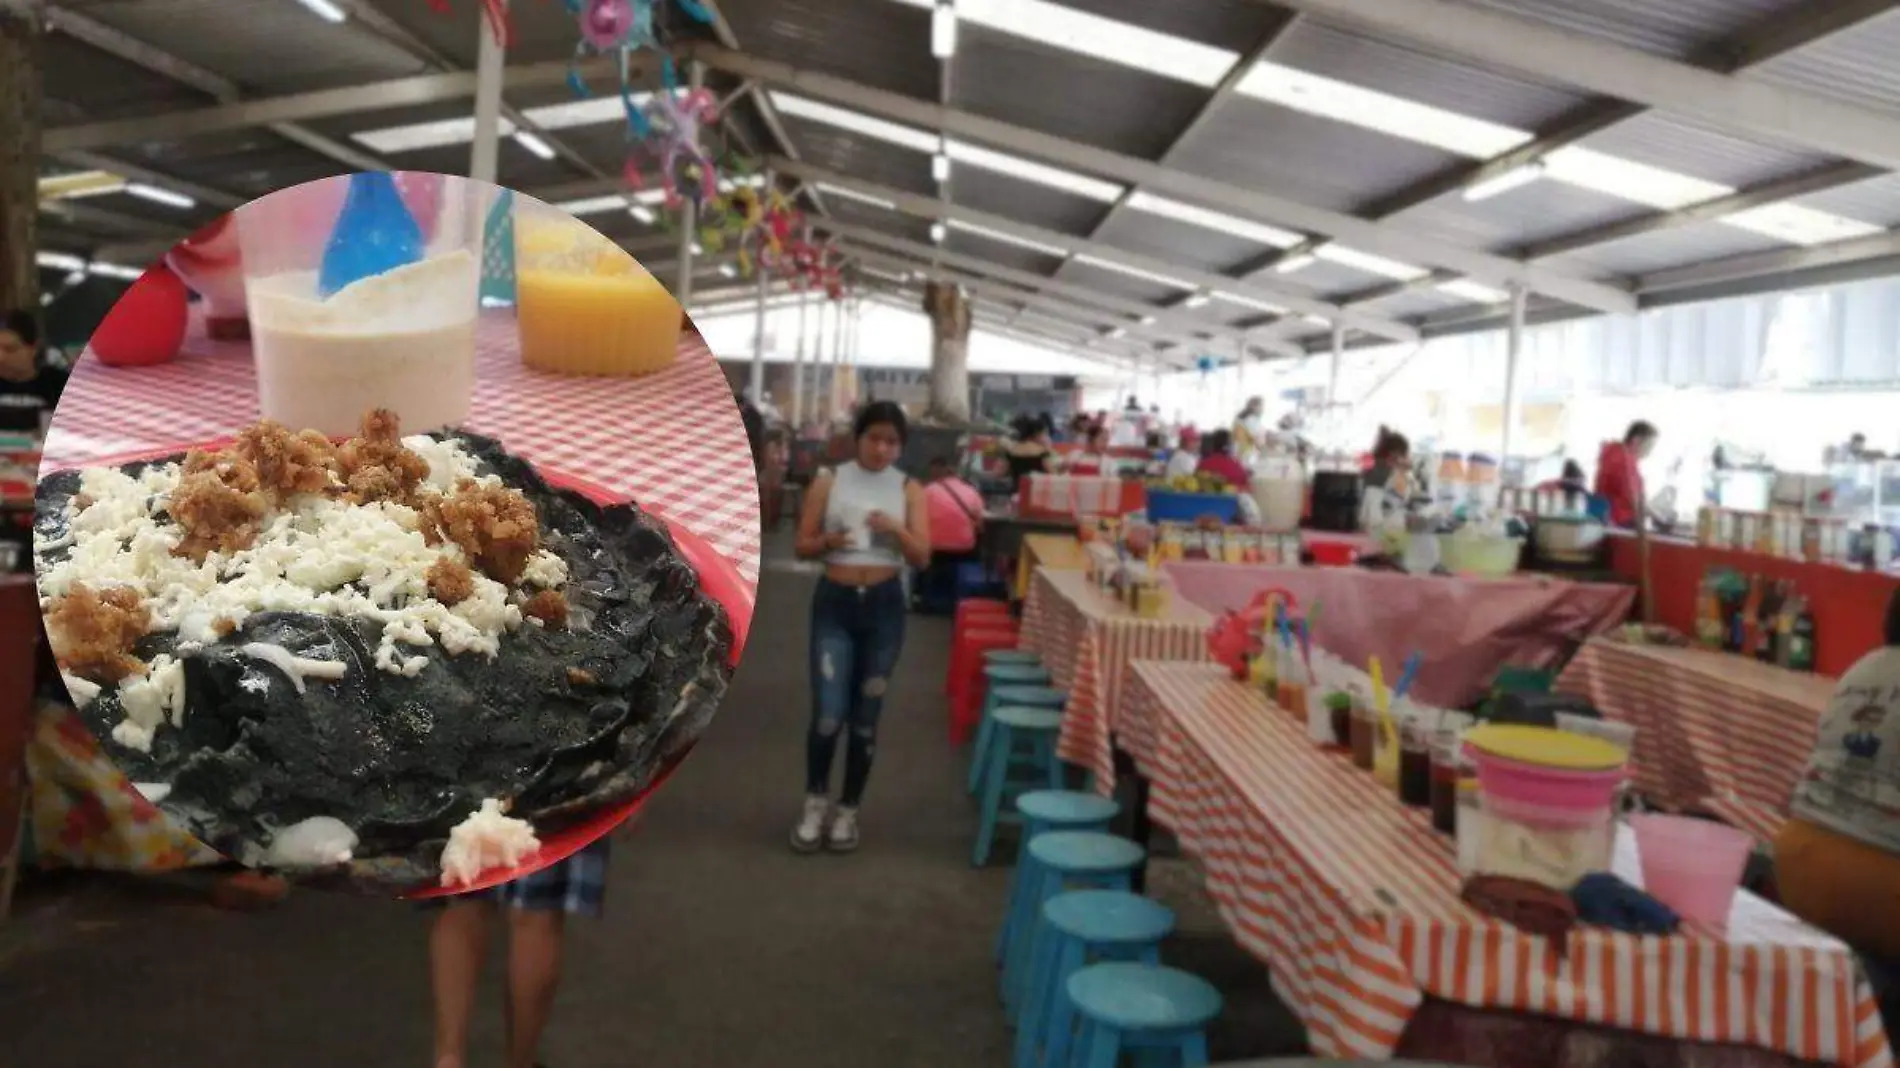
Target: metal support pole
<point>836,407</point>
<point>1339,358</point>
<point>1513,351</point>
<point>490,71</point>
<point>798,366</point>
<point>689,213</point>
<point>758,339</point>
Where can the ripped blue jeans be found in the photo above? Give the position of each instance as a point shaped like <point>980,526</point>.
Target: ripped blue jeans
<point>856,634</point>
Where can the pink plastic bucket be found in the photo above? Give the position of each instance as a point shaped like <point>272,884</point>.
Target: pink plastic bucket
<point>1693,866</point>
<point>1555,795</point>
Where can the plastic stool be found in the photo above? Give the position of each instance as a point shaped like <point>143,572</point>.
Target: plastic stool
<point>1054,862</point>
<point>967,681</point>
<point>1042,811</point>
<point>1142,1007</point>
<point>1023,696</point>
<point>1080,928</point>
<point>971,637</point>
<point>1010,656</point>
<point>1017,728</point>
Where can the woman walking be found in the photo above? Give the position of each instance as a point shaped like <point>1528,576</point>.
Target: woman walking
<point>866,521</point>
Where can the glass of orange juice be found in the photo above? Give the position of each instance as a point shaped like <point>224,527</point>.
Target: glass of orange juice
<point>585,306</point>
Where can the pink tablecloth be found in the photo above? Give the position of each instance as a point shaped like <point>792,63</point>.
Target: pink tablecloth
<point>1466,628</point>
<point>672,441</point>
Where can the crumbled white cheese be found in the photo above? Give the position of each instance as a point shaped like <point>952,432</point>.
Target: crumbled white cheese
<point>449,463</point>
<point>546,570</point>
<point>486,839</point>
<point>81,690</point>
<point>149,701</point>
<point>295,668</point>
<point>318,842</point>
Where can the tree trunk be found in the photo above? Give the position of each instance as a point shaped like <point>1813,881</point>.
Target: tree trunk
<point>22,27</point>
<point>949,312</point>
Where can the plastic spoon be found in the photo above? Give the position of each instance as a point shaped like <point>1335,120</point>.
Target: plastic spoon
<point>374,233</point>
<point>1408,675</point>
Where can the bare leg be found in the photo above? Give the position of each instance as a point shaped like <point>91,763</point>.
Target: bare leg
<point>534,972</point>
<point>457,946</point>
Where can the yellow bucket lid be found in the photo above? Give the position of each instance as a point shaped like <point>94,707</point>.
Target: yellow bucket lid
<point>1546,747</point>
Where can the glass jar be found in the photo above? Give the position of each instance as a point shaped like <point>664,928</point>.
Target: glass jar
<point>1363,737</point>
<point>1415,763</point>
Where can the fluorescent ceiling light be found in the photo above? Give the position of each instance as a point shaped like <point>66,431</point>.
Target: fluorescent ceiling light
<point>1802,226</point>
<point>614,202</point>
<point>441,133</point>
<point>727,270</point>
<point>1031,171</point>
<point>943,31</point>
<point>641,213</point>
<point>1134,272</point>
<point>1213,220</point>
<point>940,167</point>
<point>1503,183</point>
<point>325,10</point>
<point>856,122</point>
<point>1474,291</point>
<point>1147,320</point>
<point>79,184</point>
<point>936,232</point>
<point>159,196</point>
<point>1248,302</point>
<point>1058,26</point>
<point>114,270</point>
<point>852,194</point>
<point>1117,334</point>
<point>1297,262</point>
<point>1366,261</point>
<point>534,144</point>
<point>1317,320</point>
<point>59,261</point>
<point>696,249</point>
<point>1008,239</point>
<point>1370,109</point>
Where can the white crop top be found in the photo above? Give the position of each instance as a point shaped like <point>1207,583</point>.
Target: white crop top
<point>855,494</point>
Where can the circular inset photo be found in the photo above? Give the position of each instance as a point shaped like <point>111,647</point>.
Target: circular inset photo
<point>415,554</point>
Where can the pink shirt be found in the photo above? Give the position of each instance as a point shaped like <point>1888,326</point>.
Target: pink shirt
<point>951,504</point>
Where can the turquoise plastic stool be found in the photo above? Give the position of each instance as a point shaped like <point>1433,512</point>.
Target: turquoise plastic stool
<point>1055,862</point>
<point>1010,656</point>
<point>1042,811</point>
<point>1027,732</point>
<point>1023,695</point>
<point>1141,1007</point>
<point>1079,928</point>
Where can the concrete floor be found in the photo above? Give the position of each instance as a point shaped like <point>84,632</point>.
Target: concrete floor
<point>720,947</point>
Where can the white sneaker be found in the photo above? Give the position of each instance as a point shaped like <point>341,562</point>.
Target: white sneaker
<point>842,837</point>
<point>809,834</point>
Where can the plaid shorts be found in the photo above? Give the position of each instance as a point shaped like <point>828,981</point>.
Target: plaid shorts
<point>576,886</point>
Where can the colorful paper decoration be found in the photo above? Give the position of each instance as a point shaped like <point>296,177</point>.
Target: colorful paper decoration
<point>498,249</point>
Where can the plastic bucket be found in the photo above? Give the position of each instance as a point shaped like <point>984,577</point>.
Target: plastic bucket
<point>1334,553</point>
<point>1693,866</point>
<point>1189,507</point>
<point>1557,795</point>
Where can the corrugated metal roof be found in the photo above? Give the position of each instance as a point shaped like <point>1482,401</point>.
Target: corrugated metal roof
<point>881,44</point>
<point>964,243</point>
<point>1022,201</point>
<point>1314,161</point>
<point>1415,302</point>
<point>907,227</point>
<point>862,157</point>
<point>1326,280</point>
<point>1195,246</point>
<point>1861,65</point>
<point>1668,248</point>
<point>1876,201</point>
<point>100,85</point>
<point>1393,68</point>
<point>1518,216</point>
<point>1666,27</point>
<point>245,43</point>
<point>1234,24</point>
<point>1697,150</point>
<point>1057,92</point>
<point>1116,283</point>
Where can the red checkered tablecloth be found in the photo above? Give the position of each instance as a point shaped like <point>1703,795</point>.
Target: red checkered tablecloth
<point>1086,639</point>
<point>672,441</point>
<point>1715,732</point>
<point>1353,902</point>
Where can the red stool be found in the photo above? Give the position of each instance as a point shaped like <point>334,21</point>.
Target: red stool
<point>966,688</point>
<point>987,614</point>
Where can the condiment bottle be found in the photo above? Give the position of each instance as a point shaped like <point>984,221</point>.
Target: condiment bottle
<point>1801,640</point>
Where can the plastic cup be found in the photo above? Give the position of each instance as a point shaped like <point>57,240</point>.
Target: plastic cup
<point>586,305</point>
<point>1694,866</point>
<point>403,340</point>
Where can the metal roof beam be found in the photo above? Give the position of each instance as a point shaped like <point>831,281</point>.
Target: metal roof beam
<point>1372,237</point>
<point>761,100</point>
<point>143,54</point>
<point>927,208</point>
<point>1775,261</point>
<point>1185,323</point>
<point>1788,116</point>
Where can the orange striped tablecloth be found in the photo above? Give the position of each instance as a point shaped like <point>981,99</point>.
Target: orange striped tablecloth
<point>1352,901</point>
<point>1714,732</point>
<point>1087,638</point>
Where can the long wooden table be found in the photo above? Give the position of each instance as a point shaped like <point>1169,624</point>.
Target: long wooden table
<point>1057,552</point>
<point>1715,733</point>
<point>1353,902</point>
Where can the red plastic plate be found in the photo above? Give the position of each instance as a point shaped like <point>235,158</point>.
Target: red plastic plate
<point>717,577</point>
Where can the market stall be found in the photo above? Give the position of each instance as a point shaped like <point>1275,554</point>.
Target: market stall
<point>1354,903</point>
<point>1715,733</point>
<point>1464,628</point>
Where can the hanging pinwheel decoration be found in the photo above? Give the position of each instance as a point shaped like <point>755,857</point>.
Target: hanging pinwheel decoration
<point>622,27</point>
<point>675,119</point>
<point>1206,364</point>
